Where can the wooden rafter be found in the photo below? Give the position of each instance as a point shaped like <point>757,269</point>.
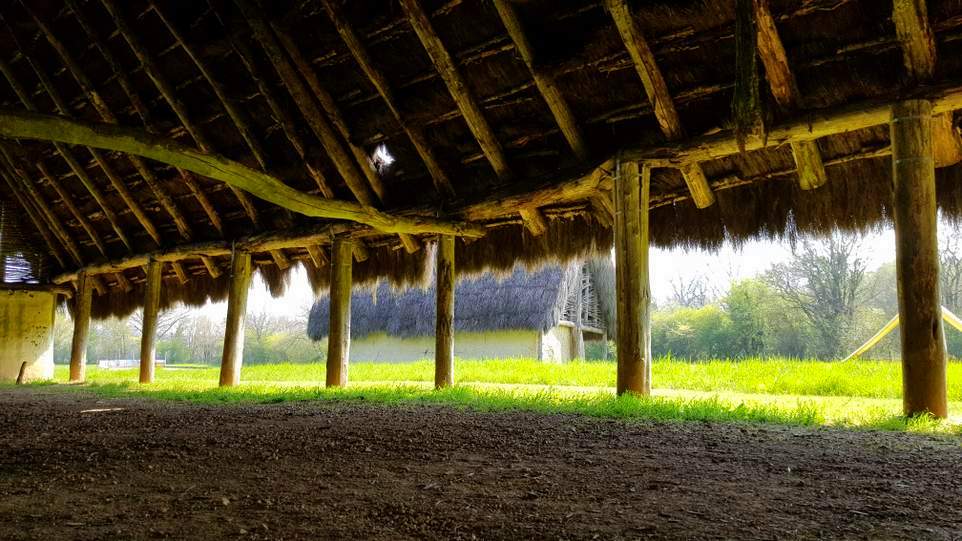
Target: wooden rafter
<point>363,58</point>
<point>919,56</point>
<point>68,202</point>
<point>163,86</point>
<point>657,91</point>
<point>781,80</point>
<point>457,87</point>
<point>34,217</point>
<point>549,90</point>
<point>164,199</point>
<point>25,125</point>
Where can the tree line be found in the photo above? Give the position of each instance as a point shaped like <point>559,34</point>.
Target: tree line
<point>823,302</point>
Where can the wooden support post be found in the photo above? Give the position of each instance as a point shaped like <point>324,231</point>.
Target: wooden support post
<point>444,329</point>
<point>148,333</point>
<point>339,336</point>
<point>240,284</point>
<point>917,260</point>
<point>631,277</point>
<point>81,328</point>
<point>578,332</point>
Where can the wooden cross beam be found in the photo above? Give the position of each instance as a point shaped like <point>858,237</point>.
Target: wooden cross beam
<point>25,125</point>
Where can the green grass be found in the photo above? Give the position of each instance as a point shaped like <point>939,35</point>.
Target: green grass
<point>860,394</point>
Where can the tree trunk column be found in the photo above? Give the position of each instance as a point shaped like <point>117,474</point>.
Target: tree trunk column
<point>339,336</point>
<point>631,194</point>
<point>148,335</point>
<point>444,330</point>
<point>81,329</point>
<point>917,260</point>
<point>240,283</point>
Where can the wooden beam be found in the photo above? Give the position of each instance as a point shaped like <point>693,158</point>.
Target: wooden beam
<point>806,127</point>
<point>917,260</point>
<point>781,81</point>
<point>549,90</point>
<point>916,38</point>
<point>947,147</point>
<point>380,83</point>
<point>50,128</point>
<point>166,90</point>
<point>240,283</point>
<point>163,198</point>
<point>444,322</point>
<point>632,189</point>
<point>317,255</point>
<point>81,329</point>
<point>457,87</point>
<point>148,335</point>
<point>68,202</point>
<point>657,91</point>
<point>339,335</point>
<point>534,221</point>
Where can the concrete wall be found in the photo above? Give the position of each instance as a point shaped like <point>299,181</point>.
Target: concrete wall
<point>380,347</point>
<point>557,345</point>
<point>26,334</point>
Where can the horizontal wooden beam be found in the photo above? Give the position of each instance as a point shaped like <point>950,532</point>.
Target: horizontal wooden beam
<point>806,127</point>
<point>24,125</point>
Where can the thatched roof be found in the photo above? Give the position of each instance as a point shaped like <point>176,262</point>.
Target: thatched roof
<point>521,299</point>
<point>303,90</point>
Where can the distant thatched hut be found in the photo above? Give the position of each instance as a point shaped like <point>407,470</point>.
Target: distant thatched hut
<point>522,314</point>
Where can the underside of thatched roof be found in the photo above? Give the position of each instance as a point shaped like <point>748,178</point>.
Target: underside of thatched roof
<point>496,119</point>
<point>519,299</point>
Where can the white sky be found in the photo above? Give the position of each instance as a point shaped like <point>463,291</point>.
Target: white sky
<point>720,267</point>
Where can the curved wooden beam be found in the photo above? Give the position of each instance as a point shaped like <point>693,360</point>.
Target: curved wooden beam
<point>25,125</point>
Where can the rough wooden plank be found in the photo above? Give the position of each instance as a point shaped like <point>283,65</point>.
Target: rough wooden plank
<point>697,183</point>
<point>148,335</point>
<point>534,221</point>
<point>457,87</point>
<point>917,260</point>
<point>947,146</point>
<point>916,38</point>
<point>240,283</point>
<point>339,336</point>
<point>444,322</point>
<point>808,163</point>
<point>549,90</point>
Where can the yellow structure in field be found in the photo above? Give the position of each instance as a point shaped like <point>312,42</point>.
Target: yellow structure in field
<point>26,334</point>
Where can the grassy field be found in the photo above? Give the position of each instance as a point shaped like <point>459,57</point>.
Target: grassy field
<point>859,394</point>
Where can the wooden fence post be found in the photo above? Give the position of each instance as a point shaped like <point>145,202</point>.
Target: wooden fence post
<point>81,329</point>
<point>339,336</point>
<point>240,283</point>
<point>917,260</point>
<point>444,329</point>
<point>148,334</point>
<point>631,195</point>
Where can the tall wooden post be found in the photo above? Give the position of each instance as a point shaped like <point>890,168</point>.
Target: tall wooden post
<point>81,329</point>
<point>339,336</point>
<point>631,194</point>
<point>444,329</point>
<point>148,335</point>
<point>240,283</point>
<point>917,260</point>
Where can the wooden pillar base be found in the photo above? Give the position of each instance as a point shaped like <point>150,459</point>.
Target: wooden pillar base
<point>81,329</point>
<point>240,283</point>
<point>917,260</point>
<point>339,336</point>
<point>148,336</point>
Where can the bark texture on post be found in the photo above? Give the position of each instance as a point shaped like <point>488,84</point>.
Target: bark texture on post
<point>240,283</point>
<point>148,336</point>
<point>631,277</point>
<point>81,329</point>
<point>917,260</point>
<point>339,336</point>
<point>444,329</point>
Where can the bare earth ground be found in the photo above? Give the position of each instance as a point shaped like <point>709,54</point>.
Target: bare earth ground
<point>152,469</point>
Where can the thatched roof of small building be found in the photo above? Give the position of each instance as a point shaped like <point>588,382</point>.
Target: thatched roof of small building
<point>303,91</point>
<point>522,299</point>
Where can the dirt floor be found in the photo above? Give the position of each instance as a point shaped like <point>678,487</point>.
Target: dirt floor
<point>74,466</point>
